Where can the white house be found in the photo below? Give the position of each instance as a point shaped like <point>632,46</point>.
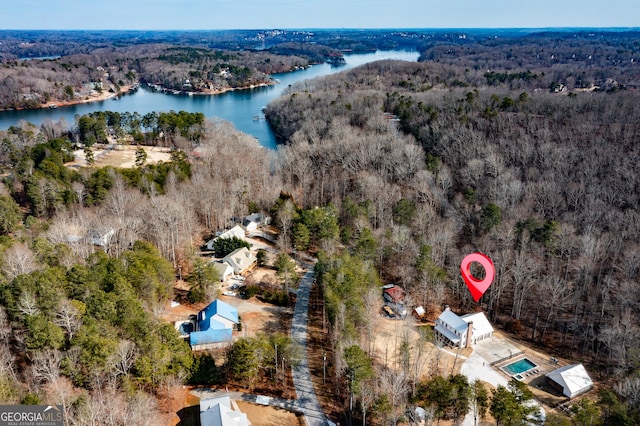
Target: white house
<point>240,260</point>
<point>252,221</point>
<point>571,380</point>
<point>461,331</point>
<point>221,411</point>
<point>482,328</point>
<point>236,231</point>
<point>223,269</point>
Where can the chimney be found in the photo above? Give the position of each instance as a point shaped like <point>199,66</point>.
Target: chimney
<point>469,334</point>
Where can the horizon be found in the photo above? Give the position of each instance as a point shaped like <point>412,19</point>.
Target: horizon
<point>214,15</point>
<point>604,28</point>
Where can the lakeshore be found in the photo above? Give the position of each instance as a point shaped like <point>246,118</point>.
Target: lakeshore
<point>84,99</point>
<point>236,106</point>
<point>105,95</point>
<point>209,92</point>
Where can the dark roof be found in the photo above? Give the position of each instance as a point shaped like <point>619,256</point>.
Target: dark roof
<point>396,293</point>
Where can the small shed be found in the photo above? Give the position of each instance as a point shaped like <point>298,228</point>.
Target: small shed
<point>571,380</point>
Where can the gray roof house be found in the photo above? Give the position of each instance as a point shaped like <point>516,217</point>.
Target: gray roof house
<point>223,269</point>
<point>236,231</point>
<point>461,331</point>
<point>221,411</point>
<point>240,260</point>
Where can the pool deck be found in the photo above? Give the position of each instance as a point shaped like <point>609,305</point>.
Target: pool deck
<point>489,356</point>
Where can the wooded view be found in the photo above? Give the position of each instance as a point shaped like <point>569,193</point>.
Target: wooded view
<point>523,148</point>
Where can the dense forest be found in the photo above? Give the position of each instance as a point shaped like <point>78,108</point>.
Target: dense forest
<point>431,161</point>
<point>68,79</point>
<point>390,172</point>
<point>543,182</point>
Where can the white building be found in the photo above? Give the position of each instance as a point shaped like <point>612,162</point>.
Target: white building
<point>223,269</point>
<point>236,231</point>
<point>240,260</point>
<point>571,380</point>
<point>462,331</point>
<point>221,411</point>
<point>254,220</point>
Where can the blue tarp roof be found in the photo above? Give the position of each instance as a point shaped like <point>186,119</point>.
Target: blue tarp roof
<point>210,336</point>
<point>210,329</point>
<point>217,307</point>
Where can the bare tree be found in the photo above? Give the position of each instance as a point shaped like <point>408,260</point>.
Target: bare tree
<point>18,260</point>
<point>285,217</point>
<point>68,317</point>
<point>394,383</point>
<point>123,359</point>
<point>46,365</point>
<point>27,304</point>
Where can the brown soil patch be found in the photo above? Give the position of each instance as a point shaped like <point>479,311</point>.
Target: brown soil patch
<point>122,156</point>
<point>263,275</point>
<point>174,402</point>
<point>262,415</point>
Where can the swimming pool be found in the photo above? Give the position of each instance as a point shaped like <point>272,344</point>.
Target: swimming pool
<point>521,366</point>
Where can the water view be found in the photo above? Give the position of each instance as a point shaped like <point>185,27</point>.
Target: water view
<point>242,107</point>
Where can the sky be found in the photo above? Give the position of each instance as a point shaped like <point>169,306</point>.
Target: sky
<point>289,14</point>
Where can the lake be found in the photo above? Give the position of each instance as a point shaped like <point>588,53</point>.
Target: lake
<point>240,107</point>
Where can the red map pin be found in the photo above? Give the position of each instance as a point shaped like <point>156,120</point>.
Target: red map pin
<point>477,287</point>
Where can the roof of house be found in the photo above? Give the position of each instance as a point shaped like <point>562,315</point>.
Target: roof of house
<point>396,293</point>
<point>210,335</point>
<point>240,258</point>
<point>210,329</point>
<point>218,412</point>
<point>574,379</point>
<point>206,317</point>
<point>254,217</point>
<point>481,324</point>
<point>222,268</point>
<point>236,231</point>
<point>447,333</point>
<point>454,321</point>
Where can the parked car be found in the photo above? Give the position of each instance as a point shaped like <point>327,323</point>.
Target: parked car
<point>387,310</point>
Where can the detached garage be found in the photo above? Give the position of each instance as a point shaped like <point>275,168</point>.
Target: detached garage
<point>571,380</point>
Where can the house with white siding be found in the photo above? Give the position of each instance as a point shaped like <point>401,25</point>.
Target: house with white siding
<point>461,331</point>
